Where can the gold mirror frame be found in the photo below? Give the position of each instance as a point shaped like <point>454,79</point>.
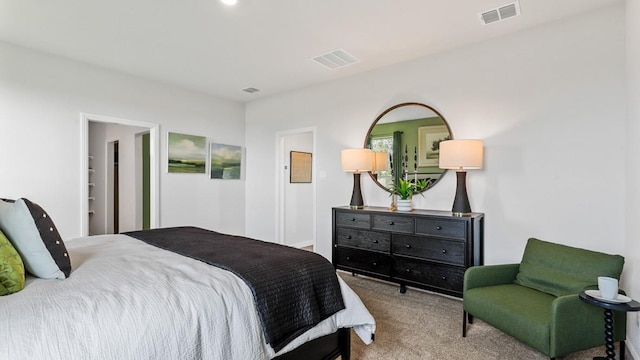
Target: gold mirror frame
<point>420,134</point>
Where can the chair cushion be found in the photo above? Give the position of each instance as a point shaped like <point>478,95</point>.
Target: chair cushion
<point>519,311</point>
<point>561,270</point>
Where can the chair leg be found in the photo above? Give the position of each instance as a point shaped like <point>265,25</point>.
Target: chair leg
<point>622,349</point>
<point>464,323</point>
<point>470,319</point>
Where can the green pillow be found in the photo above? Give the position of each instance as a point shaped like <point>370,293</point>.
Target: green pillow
<point>562,270</point>
<point>11,268</point>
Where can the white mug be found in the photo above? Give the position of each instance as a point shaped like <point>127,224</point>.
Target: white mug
<point>608,287</point>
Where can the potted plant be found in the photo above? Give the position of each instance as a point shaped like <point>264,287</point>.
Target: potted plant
<point>405,189</point>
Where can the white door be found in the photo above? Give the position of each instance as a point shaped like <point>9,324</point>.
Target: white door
<point>297,196</point>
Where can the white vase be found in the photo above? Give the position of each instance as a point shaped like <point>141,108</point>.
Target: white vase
<point>404,205</point>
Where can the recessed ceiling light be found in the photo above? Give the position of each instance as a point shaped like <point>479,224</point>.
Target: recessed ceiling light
<point>229,2</point>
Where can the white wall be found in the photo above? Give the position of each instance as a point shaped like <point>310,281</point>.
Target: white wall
<point>298,197</point>
<point>41,98</point>
<point>632,258</point>
<point>548,102</point>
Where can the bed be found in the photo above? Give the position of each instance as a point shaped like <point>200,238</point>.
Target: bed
<point>127,299</point>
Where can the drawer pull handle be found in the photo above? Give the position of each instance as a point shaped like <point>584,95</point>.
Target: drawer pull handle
<point>375,263</point>
<point>408,246</point>
<point>348,258</point>
<point>444,278</point>
<point>391,223</point>
<point>353,219</point>
<point>407,270</point>
<point>348,237</point>
<point>438,227</point>
<point>444,251</point>
<point>375,241</point>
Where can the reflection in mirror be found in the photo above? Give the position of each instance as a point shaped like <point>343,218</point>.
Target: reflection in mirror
<point>409,134</point>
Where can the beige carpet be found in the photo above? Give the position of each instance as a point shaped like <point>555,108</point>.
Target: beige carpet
<point>420,325</point>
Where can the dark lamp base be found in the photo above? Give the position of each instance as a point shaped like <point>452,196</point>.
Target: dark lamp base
<point>356,196</point>
<point>461,205</point>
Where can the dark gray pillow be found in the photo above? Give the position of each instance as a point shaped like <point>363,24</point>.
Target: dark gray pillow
<point>34,235</point>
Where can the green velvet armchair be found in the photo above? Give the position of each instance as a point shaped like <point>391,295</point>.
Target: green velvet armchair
<point>537,301</point>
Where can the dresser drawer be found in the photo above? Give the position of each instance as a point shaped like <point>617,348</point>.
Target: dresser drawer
<point>363,260</point>
<point>393,223</point>
<point>442,276</point>
<point>353,219</point>
<point>441,227</point>
<point>448,251</point>
<point>363,239</point>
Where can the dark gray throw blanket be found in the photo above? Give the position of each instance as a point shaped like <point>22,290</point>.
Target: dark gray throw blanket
<point>293,289</point>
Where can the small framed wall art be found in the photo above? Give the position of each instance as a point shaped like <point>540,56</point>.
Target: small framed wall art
<point>225,161</point>
<point>300,164</point>
<point>186,153</point>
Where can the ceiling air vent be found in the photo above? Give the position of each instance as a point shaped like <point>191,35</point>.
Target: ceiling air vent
<point>251,90</point>
<point>335,59</point>
<point>500,13</point>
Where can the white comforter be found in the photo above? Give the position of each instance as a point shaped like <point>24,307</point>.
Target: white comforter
<point>129,300</point>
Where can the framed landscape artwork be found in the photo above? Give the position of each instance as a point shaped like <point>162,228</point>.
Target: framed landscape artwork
<point>429,138</point>
<point>300,163</point>
<point>186,154</point>
<point>225,161</point>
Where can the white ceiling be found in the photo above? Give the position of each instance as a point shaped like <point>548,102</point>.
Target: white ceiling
<point>267,44</point>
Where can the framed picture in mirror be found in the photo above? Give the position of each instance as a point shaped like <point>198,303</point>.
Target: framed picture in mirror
<point>429,138</point>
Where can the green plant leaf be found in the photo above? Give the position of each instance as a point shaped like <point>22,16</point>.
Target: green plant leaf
<point>405,188</point>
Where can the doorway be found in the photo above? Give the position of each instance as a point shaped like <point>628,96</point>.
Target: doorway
<point>114,152</point>
<point>296,221</point>
<point>112,200</point>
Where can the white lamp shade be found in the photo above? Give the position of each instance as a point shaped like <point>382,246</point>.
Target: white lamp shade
<point>357,160</point>
<point>461,154</point>
<point>380,161</point>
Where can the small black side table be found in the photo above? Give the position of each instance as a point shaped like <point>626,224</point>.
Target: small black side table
<point>609,308</point>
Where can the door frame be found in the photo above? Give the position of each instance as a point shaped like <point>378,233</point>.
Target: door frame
<point>281,179</point>
<point>154,149</point>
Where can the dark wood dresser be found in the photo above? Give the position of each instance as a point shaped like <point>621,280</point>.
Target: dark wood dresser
<point>427,249</point>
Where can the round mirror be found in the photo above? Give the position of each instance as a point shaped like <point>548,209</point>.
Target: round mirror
<point>406,138</point>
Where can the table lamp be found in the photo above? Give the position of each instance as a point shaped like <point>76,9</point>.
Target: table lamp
<point>461,155</point>
<point>380,162</point>
<point>357,161</point>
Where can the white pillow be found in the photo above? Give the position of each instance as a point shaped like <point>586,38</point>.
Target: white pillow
<point>33,234</point>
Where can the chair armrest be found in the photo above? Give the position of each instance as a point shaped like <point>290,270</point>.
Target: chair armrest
<point>578,325</point>
<point>488,275</point>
